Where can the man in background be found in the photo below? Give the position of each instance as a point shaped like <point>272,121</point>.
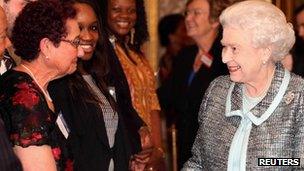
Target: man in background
<point>12,8</point>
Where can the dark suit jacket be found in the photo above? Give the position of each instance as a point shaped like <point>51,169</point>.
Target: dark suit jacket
<point>87,141</point>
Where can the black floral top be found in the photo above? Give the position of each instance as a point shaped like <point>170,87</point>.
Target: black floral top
<point>27,117</point>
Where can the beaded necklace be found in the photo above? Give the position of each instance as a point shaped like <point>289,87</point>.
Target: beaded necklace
<point>46,94</point>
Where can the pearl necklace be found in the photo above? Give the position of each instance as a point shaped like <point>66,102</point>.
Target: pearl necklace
<point>46,93</point>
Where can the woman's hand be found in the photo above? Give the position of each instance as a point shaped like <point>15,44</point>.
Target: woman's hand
<point>145,138</point>
<point>157,160</point>
<point>139,161</point>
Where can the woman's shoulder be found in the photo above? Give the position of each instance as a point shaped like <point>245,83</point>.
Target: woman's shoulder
<point>62,86</point>
<point>59,85</point>
<point>60,91</point>
<point>219,86</point>
<point>16,81</point>
<point>187,52</point>
<point>222,82</point>
<point>12,77</point>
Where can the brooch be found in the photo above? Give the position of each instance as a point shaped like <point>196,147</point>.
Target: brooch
<point>289,97</point>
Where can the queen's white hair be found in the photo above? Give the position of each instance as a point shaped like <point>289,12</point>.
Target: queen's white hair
<point>266,22</point>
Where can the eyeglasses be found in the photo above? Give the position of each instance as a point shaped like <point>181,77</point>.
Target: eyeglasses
<point>75,42</point>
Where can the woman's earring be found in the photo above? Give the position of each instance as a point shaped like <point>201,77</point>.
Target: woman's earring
<point>264,62</point>
<point>132,32</point>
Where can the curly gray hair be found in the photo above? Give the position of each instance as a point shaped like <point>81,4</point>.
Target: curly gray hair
<point>265,21</point>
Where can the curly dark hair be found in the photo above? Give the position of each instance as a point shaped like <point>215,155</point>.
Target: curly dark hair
<point>141,27</point>
<point>168,25</point>
<point>38,20</point>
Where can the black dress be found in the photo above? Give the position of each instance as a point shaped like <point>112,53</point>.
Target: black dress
<point>27,117</point>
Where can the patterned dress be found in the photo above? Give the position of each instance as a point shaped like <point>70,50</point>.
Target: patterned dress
<point>27,117</point>
<point>141,82</point>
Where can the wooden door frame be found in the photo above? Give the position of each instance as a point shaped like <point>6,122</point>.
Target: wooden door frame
<point>287,6</point>
<point>151,47</point>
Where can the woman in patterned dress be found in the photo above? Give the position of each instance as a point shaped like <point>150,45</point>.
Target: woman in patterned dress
<point>46,37</point>
<point>127,29</point>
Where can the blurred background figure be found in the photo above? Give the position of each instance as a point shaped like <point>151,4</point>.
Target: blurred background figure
<point>298,49</point>
<point>98,136</point>
<point>173,37</point>
<point>5,43</point>
<point>8,159</point>
<point>299,16</point>
<point>48,47</point>
<point>256,111</point>
<point>12,9</point>
<point>193,69</point>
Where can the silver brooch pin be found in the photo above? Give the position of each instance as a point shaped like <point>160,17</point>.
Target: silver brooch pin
<point>289,97</point>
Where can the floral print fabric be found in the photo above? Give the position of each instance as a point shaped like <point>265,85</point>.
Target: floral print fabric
<point>142,83</point>
<point>27,117</point>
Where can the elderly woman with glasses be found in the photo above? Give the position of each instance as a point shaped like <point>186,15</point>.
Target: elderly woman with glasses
<point>257,111</point>
<point>46,37</point>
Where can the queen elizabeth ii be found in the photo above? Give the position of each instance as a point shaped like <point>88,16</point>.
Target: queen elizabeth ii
<point>256,111</point>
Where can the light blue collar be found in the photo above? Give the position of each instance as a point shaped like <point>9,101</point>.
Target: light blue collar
<point>259,120</point>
